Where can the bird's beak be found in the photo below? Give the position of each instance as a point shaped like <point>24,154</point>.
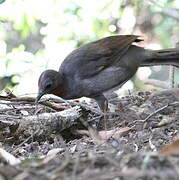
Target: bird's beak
<point>40,94</point>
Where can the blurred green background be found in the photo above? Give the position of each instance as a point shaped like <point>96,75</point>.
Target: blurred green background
<point>39,34</point>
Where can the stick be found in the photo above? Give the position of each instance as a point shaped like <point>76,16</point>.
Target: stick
<point>160,109</point>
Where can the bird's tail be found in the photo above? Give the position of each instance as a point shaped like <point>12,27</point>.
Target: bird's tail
<point>163,57</point>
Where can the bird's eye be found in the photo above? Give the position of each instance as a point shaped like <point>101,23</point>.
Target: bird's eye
<point>48,86</point>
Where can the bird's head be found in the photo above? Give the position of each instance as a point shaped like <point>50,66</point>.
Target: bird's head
<point>50,82</point>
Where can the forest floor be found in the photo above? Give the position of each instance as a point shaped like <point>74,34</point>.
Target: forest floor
<point>127,148</point>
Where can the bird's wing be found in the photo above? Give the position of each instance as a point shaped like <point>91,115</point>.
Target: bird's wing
<point>92,58</point>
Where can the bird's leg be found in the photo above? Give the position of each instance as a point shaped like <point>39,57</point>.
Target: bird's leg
<point>103,105</point>
<point>105,113</point>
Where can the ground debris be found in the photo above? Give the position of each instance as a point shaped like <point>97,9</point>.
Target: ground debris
<point>128,149</point>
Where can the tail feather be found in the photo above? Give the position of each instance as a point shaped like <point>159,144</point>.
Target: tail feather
<point>163,57</point>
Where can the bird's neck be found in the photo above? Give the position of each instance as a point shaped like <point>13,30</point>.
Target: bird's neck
<point>66,88</point>
<point>60,90</point>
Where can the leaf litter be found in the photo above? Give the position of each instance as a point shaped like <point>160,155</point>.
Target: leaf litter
<point>128,149</point>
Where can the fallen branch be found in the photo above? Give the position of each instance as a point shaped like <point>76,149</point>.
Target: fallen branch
<point>45,124</point>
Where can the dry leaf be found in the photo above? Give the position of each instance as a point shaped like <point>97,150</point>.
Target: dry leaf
<point>115,133</point>
<point>170,149</point>
<point>104,135</point>
<point>165,121</point>
<point>51,155</point>
<point>55,151</point>
<point>72,149</point>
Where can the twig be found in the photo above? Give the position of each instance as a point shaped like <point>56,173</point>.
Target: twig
<point>31,100</point>
<point>159,110</point>
<point>92,132</point>
<point>55,173</point>
<point>17,148</point>
<point>16,108</point>
<point>16,103</point>
<point>87,107</point>
<point>75,167</point>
